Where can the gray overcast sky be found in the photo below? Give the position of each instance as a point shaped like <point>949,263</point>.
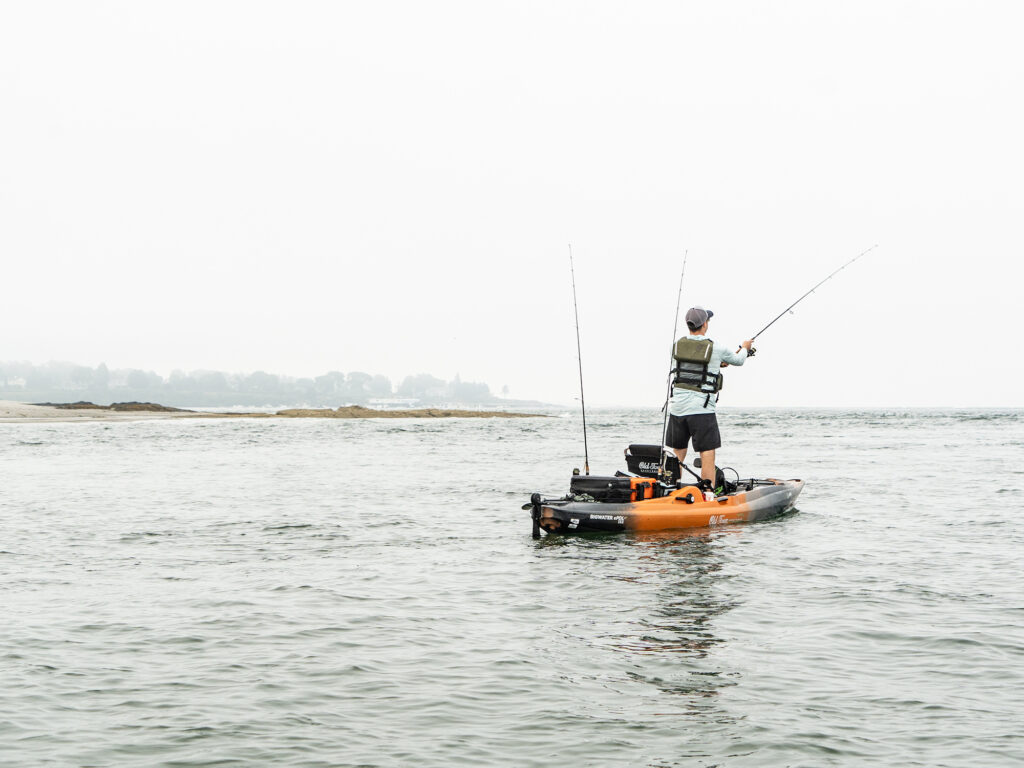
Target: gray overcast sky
<point>391,187</point>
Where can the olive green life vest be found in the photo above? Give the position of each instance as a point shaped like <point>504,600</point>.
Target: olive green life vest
<point>692,357</point>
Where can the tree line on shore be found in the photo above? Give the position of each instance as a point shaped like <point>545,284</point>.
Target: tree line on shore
<point>68,382</point>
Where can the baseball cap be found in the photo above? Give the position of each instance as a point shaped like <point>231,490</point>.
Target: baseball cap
<point>697,316</point>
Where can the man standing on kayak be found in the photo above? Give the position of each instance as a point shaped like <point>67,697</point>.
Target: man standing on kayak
<point>695,392</point>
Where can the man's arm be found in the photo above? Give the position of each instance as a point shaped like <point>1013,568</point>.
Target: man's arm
<point>736,358</point>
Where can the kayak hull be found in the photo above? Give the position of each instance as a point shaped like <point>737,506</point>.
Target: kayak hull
<point>683,508</point>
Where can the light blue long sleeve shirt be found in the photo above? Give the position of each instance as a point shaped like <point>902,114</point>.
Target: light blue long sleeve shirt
<point>686,402</point>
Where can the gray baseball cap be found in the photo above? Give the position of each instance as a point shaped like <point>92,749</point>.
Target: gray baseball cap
<point>697,316</point>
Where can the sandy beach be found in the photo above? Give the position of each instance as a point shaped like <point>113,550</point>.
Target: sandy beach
<point>14,412</point>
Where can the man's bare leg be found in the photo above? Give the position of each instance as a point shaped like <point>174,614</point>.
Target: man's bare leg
<point>680,454</point>
<point>707,467</point>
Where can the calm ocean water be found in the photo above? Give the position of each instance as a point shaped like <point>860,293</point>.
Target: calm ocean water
<point>366,593</point>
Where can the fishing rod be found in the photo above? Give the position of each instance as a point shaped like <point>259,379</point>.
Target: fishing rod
<point>579,357</point>
<point>818,285</point>
<point>668,394</point>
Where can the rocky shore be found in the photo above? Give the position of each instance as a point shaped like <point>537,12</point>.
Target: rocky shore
<point>84,411</point>
<point>83,405</point>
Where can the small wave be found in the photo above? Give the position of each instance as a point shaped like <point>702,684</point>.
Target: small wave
<point>144,535</point>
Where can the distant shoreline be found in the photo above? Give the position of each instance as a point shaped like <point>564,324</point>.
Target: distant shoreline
<point>14,412</point>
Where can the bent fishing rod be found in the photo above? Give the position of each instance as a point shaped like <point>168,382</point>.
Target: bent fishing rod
<point>668,395</point>
<point>790,307</point>
<point>579,357</point>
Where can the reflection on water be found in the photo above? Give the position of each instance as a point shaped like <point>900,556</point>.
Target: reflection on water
<point>681,621</point>
<point>681,624</point>
<point>664,645</point>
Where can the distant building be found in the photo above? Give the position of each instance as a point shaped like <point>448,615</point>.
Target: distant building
<point>382,403</point>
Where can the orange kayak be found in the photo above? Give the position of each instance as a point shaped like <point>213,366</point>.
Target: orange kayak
<point>678,508</point>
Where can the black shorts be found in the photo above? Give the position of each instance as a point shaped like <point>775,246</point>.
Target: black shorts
<point>702,427</point>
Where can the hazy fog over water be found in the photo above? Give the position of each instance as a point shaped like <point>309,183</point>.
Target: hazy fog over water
<point>63,383</point>
<point>391,187</point>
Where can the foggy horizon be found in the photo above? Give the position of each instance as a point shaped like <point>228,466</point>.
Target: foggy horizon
<point>494,394</point>
<point>68,382</point>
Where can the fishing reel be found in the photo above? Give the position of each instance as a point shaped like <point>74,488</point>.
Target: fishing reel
<point>751,351</point>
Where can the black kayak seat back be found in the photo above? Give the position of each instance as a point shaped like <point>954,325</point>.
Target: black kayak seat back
<point>645,460</point>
